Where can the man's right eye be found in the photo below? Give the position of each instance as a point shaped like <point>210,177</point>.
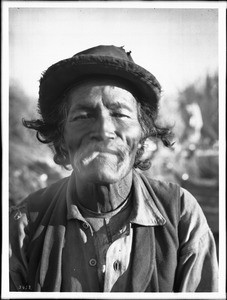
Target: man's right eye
<point>81,116</point>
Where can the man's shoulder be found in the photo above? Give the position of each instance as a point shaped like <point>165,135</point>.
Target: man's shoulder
<point>161,186</point>
<point>45,196</point>
<point>49,190</point>
<point>165,195</point>
<point>45,201</point>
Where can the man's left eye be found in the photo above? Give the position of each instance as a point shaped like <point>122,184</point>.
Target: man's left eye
<point>120,115</point>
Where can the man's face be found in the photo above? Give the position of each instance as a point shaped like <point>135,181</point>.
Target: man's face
<point>102,131</point>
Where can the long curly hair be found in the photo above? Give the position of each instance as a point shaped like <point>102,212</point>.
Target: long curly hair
<point>50,130</point>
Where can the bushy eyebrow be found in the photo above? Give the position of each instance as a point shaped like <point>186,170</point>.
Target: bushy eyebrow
<point>112,106</point>
<point>82,107</point>
<point>119,105</point>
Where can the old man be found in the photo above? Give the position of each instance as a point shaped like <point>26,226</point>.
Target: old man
<point>107,227</point>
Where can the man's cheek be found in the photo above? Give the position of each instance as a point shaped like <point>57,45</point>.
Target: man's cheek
<point>133,135</point>
<point>72,145</point>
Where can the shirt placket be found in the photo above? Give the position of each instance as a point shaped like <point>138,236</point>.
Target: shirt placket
<point>117,258</point>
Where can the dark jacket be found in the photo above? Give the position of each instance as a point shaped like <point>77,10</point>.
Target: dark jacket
<point>169,253</point>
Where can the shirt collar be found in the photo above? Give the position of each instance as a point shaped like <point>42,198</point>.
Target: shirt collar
<point>72,209</point>
<point>144,211</point>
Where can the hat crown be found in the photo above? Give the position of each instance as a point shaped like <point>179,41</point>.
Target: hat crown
<point>103,60</point>
<point>103,50</point>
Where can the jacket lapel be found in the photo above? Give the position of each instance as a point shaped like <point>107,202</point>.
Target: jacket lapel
<point>143,263</point>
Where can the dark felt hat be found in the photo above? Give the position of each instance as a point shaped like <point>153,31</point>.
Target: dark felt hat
<point>107,61</point>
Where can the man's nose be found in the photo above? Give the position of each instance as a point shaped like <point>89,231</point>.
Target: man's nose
<point>104,127</point>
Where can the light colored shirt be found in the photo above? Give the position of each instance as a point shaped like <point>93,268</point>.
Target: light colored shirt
<point>108,228</point>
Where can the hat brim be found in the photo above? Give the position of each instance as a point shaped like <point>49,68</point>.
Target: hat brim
<point>60,76</point>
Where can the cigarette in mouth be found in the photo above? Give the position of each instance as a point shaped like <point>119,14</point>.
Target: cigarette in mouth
<point>87,160</point>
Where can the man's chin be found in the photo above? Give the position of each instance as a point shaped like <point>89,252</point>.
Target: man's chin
<point>104,177</point>
<point>99,176</point>
<point>102,169</point>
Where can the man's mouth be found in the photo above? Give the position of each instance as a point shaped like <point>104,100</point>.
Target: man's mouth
<point>104,150</point>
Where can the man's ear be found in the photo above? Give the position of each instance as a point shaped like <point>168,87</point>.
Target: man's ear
<point>64,150</point>
<point>149,147</point>
<point>140,145</point>
<point>63,146</point>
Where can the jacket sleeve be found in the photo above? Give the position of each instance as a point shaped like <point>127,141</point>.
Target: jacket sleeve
<point>18,241</point>
<point>197,269</point>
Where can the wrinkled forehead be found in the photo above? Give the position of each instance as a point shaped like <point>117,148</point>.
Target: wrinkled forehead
<point>110,90</point>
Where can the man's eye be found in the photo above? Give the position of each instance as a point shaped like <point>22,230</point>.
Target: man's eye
<point>81,117</point>
<point>120,115</point>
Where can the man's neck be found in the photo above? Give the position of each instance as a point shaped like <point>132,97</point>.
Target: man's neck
<point>103,198</point>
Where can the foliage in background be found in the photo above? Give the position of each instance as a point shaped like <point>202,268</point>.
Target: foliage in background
<point>193,160</point>
<point>30,162</point>
<point>204,98</point>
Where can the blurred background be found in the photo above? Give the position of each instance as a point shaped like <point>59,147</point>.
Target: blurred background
<point>179,46</point>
